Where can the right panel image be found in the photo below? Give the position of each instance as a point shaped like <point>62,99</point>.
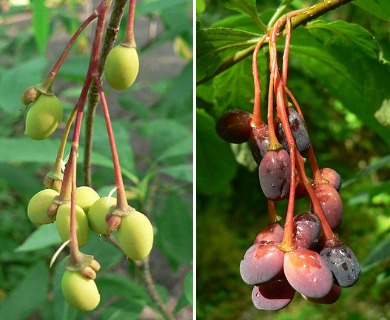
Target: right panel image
<point>292,160</point>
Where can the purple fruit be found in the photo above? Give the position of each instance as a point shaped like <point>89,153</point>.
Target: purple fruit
<point>234,126</point>
<point>306,230</point>
<point>259,142</point>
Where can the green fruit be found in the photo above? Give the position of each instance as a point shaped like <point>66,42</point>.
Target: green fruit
<point>38,206</point>
<point>121,67</point>
<point>85,197</point>
<point>135,235</point>
<point>98,212</point>
<point>63,224</point>
<point>43,117</point>
<point>81,293</point>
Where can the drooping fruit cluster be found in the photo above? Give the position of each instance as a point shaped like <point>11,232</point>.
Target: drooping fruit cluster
<point>305,255</point>
<point>77,210</point>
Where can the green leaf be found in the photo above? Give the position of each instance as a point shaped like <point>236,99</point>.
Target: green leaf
<point>380,253</point>
<point>378,8</point>
<point>28,296</point>
<point>40,24</point>
<point>43,237</point>
<point>347,34</point>
<point>181,148</point>
<point>246,7</point>
<point>129,310</point>
<point>219,48</point>
<point>212,174</point>
<point>188,287</point>
<point>175,222</point>
<point>182,172</point>
<point>14,81</point>
<point>200,6</point>
<point>383,114</point>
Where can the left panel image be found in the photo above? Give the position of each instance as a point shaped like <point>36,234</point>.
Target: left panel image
<point>96,149</point>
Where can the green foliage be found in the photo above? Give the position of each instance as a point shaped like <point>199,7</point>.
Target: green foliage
<point>337,71</point>
<point>152,127</point>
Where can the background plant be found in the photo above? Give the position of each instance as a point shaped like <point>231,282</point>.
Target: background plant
<point>155,161</point>
<point>337,66</point>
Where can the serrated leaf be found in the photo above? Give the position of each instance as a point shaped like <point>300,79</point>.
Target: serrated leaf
<point>378,8</point>
<point>43,237</point>
<point>28,296</point>
<point>345,33</point>
<point>377,255</point>
<point>215,163</point>
<point>246,7</point>
<point>219,48</point>
<point>40,24</point>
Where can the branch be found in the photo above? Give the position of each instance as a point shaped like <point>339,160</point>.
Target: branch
<point>303,17</point>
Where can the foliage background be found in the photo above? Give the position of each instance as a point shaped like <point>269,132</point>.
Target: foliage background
<point>153,128</point>
<point>340,79</point>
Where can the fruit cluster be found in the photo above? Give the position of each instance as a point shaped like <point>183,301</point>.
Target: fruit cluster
<point>305,255</point>
<point>77,210</point>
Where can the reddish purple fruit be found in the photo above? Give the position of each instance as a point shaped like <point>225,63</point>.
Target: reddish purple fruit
<point>273,295</point>
<point>298,129</point>
<point>332,177</point>
<point>274,174</point>
<point>272,232</point>
<point>262,262</point>
<point>308,273</point>
<point>234,126</point>
<point>333,295</point>
<point>259,142</point>
<point>306,230</point>
<point>331,204</point>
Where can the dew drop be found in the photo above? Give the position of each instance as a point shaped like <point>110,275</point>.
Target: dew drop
<point>315,280</point>
<point>257,295</point>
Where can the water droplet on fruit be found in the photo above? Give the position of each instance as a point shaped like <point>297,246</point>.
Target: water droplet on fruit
<point>315,280</point>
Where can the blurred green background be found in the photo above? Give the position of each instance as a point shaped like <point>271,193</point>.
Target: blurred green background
<point>346,136</point>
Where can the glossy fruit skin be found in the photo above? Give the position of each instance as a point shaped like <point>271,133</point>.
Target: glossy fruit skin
<point>43,117</point>
<point>121,67</point>
<point>81,293</point>
<point>307,273</point>
<point>273,295</point>
<point>135,235</point>
<point>234,126</point>
<point>85,197</point>
<point>272,232</point>
<point>262,262</point>
<point>306,230</point>
<point>98,212</point>
<point>298,129</point>
<point>274,174</point>
<point>332,176</point>
<point>259,142</point>
<point>38,206</point>
<point>343,263</point>
<point>331,204</point>
<point>331,297</point>
<point>63,224</point>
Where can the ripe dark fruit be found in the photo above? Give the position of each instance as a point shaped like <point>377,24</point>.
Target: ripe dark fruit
<point>63,224</point>
<point>332,177</point>
<point>331,204</point>
<point>135,235</point>
<point>234,126</point>
<point>259,142</point>
<point>262,262</point>
<point>273,295</point>
<point>38,206</point>
<point>331,297</point>
<point>306,230</point>
<point>298,129</point>
<point>272,232</point>
<point>308,273</point>
<point>343,263</point>
<point>274,174</point>
<point>121,67</point>
<point>43,117</point>
<point>81,293</point>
